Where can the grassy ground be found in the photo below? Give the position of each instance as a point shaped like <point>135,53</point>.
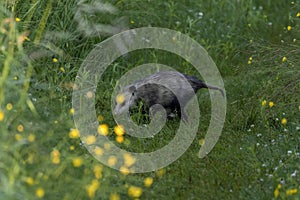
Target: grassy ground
<point>255,45</point>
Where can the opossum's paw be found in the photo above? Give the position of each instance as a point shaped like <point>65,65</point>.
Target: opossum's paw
<point>184,117</point>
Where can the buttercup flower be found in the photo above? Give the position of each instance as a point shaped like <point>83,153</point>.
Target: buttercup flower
<point>114,196</point>
<point>120,98</point>
<point>77,162</point>
<point>134,191</point>
<point>112,160</point>
<point>40,192</point>
<point>276,191</point>
<point>103,129</point>
<point>283,121</point>
<point>284,59</point>
<point>9,106</point>
<point>120,139</point>
<point>148,181</point>
<point>91,139</point>
<point>74,133</point>
<point>31,137</point>
<point>20,128</point>
<point>29,180</point>
<point>119,130</point>
<point>291,191</point>
<point>1,116</point>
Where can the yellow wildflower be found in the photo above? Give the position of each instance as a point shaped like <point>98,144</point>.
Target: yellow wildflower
<point>31,137</point>
<point>56,160</point>
<point>55,60</point>
<point>17,19</point>
<point>9,106</point>
<point>77,162</point>
<point>18,137</point>
<point>120,139</point>
<point>1,116</point>
<point>124,170</point>
<point>114,196</point>
<point>103,129</point>
<point>40,192</point>
<point>148,181</point>
<point>98,151</point>
<point>120,98</point>
<point>92,188</point>
<point>134,191</point>
<point>201,142</point>
<point>271,104</point>
<point>107,146</point>
<point>72,111</point>
<point>289,28</point>
<point>98,171</point>
<point>284,59</point>
<point>29,180</point>
<point>132,22</point>
<point>20,128</point>
<point>119,130</point>
<point>72,147</point>
<point>62,69</point>
<point>264,103</point>
<point>74,133</point>
<point>160,172</point>
<point>291,191</point>
<point>283,121</point>
<point>276,191</point>
<point>112,160</point>
<point>55,154</point>
<point>100,118</point>
<point>91,139</point>
<point>298,14</point>
<point>129,160</point>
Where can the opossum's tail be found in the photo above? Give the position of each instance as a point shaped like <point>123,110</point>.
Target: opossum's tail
<point>198,84</point>
<point>214,88</point>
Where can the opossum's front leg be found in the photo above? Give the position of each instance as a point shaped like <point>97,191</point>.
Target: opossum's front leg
<point>184,116</point>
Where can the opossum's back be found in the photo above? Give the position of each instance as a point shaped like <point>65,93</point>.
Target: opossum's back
<point>155,94</point>
<point>164,77</point>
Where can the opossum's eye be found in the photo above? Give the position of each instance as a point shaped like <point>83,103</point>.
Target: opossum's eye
<point>120,99</point>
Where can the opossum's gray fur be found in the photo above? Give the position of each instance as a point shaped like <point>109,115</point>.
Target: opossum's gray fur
<point>178,88</point>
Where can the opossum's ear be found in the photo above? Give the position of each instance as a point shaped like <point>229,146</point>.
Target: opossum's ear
<point>132,89</point>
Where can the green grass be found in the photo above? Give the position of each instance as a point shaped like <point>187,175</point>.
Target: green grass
<point>256,155</point>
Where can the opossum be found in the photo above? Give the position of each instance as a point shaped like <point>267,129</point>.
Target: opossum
<point>166,88</point>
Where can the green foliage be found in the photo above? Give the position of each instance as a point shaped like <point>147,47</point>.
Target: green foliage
<point>255,45</point>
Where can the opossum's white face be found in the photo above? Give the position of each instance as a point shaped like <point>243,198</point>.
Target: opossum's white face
<point>124,100</point>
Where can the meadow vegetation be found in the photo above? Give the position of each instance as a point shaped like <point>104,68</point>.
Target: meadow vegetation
<point>256,47</point>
